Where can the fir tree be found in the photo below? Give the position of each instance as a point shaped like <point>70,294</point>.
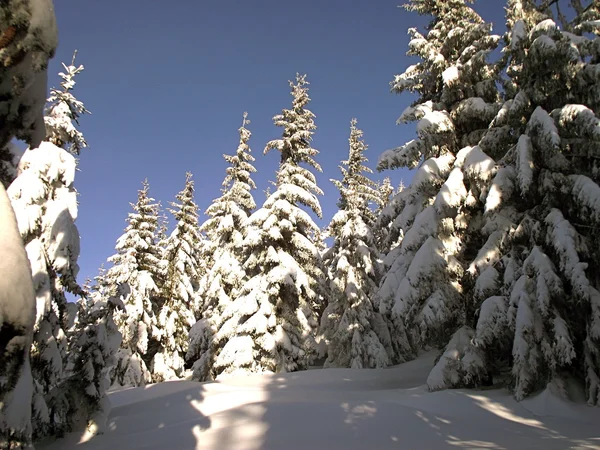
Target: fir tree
<point>385,191</point>
<point>64,111</point>
<point>457,98</point>
<point>536,308</point>
<point>351,326</point>
<point>276,306</point>
<point>384,215</point>
<point>132,276</point>
<point>225,232</point>
<point>45,201</point>
<point>17,318</point>
<point>354,174</point>
<point>29,40</point>
<point>92,356</point>
<point>181,252</point>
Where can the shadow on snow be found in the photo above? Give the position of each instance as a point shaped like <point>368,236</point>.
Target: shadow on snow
<point>333,408</point>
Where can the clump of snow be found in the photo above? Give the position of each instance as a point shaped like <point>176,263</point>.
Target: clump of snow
<point>547,26</point>
<point>406,80</point>
<point>416,112</point>
<point>17,317</point>
<point>476,164</point>
<point>17,299</point>
<point>501,189</point>
<point>587,195</point>
<point>518,33</point>
<point>474,109</point>
<point>407,155</point>
<point>450,75</point>
<point>525,164</point>
<point>435,122</point>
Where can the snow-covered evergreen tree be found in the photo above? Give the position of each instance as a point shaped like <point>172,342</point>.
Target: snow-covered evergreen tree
<point>132,277</point>
<point>355,174</point>
<point>92,352</point>
<point>390,208</point>
<point>225,232</point>
<point>17,318</point>
<point>180,286</point>
<point>45,203</point>
<point>64,111</point>
<point>385,191</point>
<point>276,307</point>
<point>27,41</point>
<point>457,98</point>
<point>355,332</point>
<point>381,224</point>
<point>534,291</point>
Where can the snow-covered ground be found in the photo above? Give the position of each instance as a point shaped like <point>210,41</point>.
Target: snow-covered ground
<point>336,408</point>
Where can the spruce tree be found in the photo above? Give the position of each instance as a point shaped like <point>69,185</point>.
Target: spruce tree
<point>132,276</point>
<point>45,202</point>
<point>276,306</point>
<point>385,213</point>
<point>17,318</point>
<point>354,176</point>
<point>356,333</point>
<point>93,344</point>
<point>385,192</point>
<point>421,293</point>
<point>27,41</point>
<point>64,111</point>
<point>536,307</point>
<point>225,231</point>
<point>180,286</point>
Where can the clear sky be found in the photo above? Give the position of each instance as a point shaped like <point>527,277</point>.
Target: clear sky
<point>167,83</point>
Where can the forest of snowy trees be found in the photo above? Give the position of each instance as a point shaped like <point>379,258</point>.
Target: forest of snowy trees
<point>491,255</point>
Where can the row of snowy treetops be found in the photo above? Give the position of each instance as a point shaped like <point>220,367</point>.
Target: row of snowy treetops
<point>492,254</point>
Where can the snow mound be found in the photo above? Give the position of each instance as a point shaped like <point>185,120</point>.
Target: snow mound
<point>330,408</point>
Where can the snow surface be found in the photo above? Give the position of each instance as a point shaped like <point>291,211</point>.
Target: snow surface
<point>336,408</point>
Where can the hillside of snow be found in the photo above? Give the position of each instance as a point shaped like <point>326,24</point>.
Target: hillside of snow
<point>336,409</point>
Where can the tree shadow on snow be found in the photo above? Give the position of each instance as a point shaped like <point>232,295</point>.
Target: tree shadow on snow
<point>328,409</point>
<point>294,415</point>
<point>158,417</point>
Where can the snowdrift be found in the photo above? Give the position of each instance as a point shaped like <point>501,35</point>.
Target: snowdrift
<point>335,409</point>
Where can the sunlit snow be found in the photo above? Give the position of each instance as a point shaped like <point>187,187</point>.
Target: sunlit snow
<point>336,409</point>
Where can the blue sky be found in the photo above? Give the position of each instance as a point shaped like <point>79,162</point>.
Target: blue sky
<point>167,86</point>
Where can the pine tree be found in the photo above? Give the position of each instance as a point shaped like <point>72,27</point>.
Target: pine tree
<point>132,277</point>
<point>351,326</point>
<point>536,307</point>
<point>457,98</point>
<point>181,252</point>
<point>275,332</point>
<point>225,232</point>
<point>45,202</point>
